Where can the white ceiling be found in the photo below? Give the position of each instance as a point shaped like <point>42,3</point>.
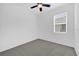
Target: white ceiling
<point>36,10</point>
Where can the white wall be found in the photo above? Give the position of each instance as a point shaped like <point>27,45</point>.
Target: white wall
<point>17,25</point>
<point>45,26</point>
<point>77,28</point>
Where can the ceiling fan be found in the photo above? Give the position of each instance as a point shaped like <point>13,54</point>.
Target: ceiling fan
<point>40,5</point>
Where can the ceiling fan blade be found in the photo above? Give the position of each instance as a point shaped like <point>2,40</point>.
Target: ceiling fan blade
<point>46,5</point>
<point>34,6</point>
<point>40,9</point>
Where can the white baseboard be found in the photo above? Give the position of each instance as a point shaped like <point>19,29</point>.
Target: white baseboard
<point>1,50</point>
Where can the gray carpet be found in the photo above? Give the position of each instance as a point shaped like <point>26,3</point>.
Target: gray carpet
<point>40,48</point>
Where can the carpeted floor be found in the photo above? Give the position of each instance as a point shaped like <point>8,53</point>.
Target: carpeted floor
<point>40,48</point>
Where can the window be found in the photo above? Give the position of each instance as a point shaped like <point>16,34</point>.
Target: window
<point>60,23</point>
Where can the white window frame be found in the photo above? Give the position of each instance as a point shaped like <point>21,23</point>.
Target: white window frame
<point>58,16</point>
